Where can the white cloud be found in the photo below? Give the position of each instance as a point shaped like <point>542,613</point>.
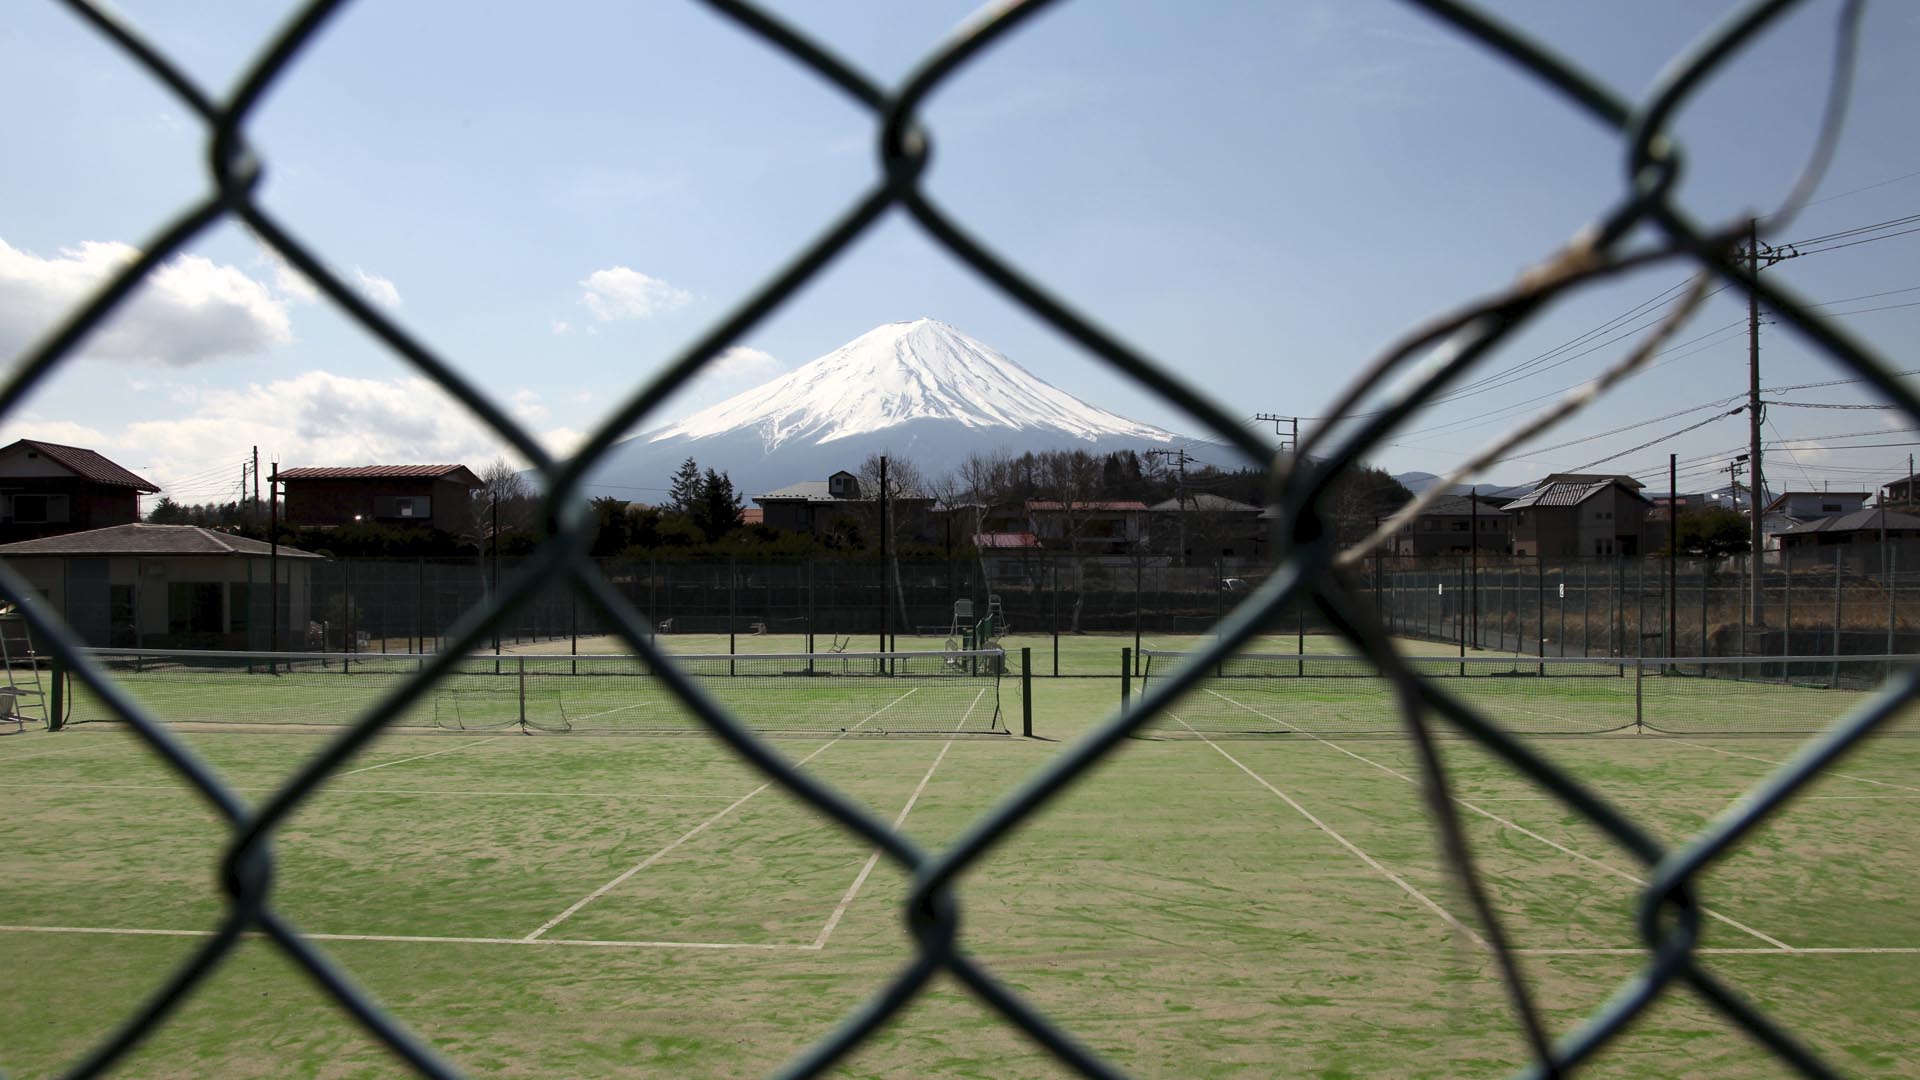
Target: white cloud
<point>314,418</point>
<point>380,290</point>
<point>64,432</point>
<point>741,361</point>
<point>287,281</point>
<point>619,292</point>
<point>560,327</point>
<point>188,311</point>
<point>527,406</point>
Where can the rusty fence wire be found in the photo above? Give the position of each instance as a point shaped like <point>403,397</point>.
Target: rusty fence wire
<point>1310,570</point>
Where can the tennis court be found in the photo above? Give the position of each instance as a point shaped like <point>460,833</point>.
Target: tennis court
<point>1202,905</point>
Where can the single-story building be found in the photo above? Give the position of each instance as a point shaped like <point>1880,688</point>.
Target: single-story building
<point>170,587</point>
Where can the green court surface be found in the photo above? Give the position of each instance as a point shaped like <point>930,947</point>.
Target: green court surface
<point>536,905</point>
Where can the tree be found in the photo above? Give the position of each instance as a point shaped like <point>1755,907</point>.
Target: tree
<point>612,527</point>
<point>1356,499</point>
<point>1713,532</point>
<point>167,512</point>
<point>504,496</point>
<point>683,497</point>
<point>717,509</point>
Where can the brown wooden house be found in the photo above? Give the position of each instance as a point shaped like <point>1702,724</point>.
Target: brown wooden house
<point>430,496</point>
<point>47,489</point>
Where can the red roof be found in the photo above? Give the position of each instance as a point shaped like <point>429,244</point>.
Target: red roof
<point>87,465</point>
<point>1005,540</point>
<point>1092,504</point>
<point>380,472</point>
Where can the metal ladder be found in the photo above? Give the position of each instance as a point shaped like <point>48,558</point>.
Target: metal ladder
<point>23,691</point>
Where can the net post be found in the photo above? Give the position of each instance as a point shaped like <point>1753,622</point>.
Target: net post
<point>1126,677</point>
<point>520,677</point>
<point>1026,691</point>
<point>57,694</point>
<point>1639,697</point>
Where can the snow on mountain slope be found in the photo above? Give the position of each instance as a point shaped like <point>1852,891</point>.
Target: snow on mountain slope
<point>897,374</point>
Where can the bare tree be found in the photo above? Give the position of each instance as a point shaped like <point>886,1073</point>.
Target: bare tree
<point>505,489</point>
<point>1071,479</point>
<point>905,497</point>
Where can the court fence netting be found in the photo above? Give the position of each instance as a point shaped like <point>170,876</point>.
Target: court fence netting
<point>873,693</point>
<point>1283,694</point>
<point>1644,223</point>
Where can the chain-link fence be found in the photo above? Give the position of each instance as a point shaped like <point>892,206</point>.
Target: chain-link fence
<point>1310,569</point>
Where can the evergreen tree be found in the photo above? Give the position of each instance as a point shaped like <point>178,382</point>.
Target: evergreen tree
<point>167,512</point>
<point>685,495</point>
<point>717,511</point>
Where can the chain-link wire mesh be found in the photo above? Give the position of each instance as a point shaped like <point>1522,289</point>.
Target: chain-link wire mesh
<point>1311,570</point>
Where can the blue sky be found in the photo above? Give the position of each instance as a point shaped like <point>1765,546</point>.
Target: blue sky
<point>1262,195</point>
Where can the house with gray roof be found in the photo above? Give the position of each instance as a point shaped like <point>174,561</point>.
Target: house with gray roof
<point>1579,514</point>
<point>1214,528</point>
<point>1457,525</point>
<point>1864,528</point>
<point>47,489</point>
<point>838,507</point>
<point>170,586</point>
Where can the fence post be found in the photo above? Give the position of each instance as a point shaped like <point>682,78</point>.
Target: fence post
<point>1889,558</point>
<point>733,602</point>
<point>57,687</point>
<point>1540,608</point>
<point>1126,677</point>
<point>1136,602</point>
<point>1836,614</point>
<point>1026,691</point>
<point>1786,566</point>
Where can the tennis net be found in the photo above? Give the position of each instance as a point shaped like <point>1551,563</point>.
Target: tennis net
<point>862,693</point>
<point>1280,693</point>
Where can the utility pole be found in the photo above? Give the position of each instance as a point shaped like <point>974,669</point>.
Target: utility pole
<point>1179,457</point>
<point>1755,415</point>
<point>1287,445</point>
<point>1733,482</point>
<point>256,481</point>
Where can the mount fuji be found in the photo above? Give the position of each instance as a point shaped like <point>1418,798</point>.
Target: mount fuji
<point>921,390</point>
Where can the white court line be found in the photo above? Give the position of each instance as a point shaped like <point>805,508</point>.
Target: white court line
<point>381,791</point>
<point>417,757</point>
<point>1521,829</point>
<point>698,829</point>
<point>1771,761</point>
<point>413,938</point>
<point>616,943</point>
<point>9,759</point>
<point>1343,841</point>
<point>1687,798</point>
<point>840,909</point>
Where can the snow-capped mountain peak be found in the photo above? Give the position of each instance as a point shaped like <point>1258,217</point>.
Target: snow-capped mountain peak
<point>896,374</point>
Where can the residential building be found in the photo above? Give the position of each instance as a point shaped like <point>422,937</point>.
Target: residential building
<point>1457,525</point>
<point>430,496</point>
<point>47,489</point>
<point>1862,528</point>
<point>1902,494</point>
<point>1793,508</point>
<point>837,507</point>
<point>170,586</point>
<point>1089,527</point>
<point>1578,514</point>
<point>1214,529</point>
